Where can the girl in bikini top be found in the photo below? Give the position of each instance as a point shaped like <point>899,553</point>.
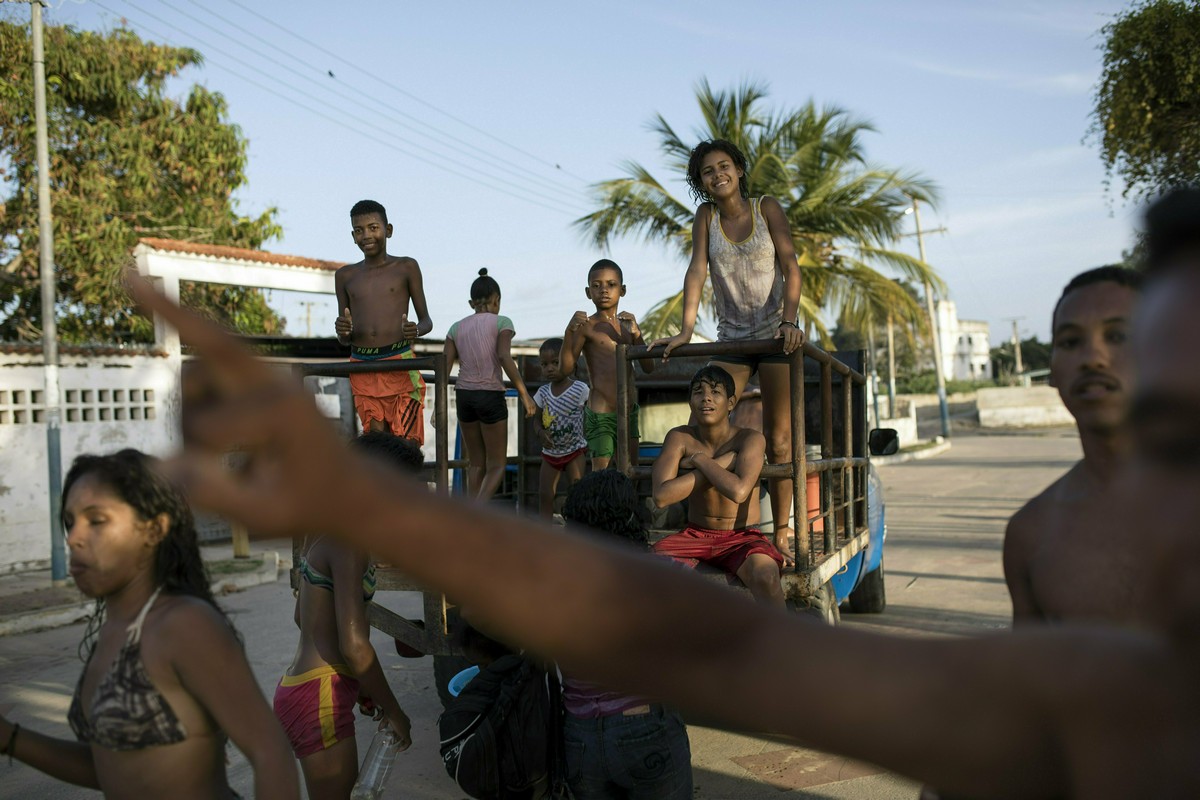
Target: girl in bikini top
<point>156,697</point>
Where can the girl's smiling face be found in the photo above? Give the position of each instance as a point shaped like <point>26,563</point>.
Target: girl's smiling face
<point>720,175</point>
<point>108,543</point>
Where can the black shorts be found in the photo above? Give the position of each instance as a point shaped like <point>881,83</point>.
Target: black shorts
<point>481,405</point>
<point>751,361</point>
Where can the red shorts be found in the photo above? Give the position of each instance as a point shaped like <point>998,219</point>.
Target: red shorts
<point>560,462</point>
<point>316,708</point>
<point>727,550</point>
<point>395,398</point>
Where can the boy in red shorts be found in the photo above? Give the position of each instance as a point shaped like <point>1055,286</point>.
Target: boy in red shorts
<point>377,291</point>
<point>715,467</point>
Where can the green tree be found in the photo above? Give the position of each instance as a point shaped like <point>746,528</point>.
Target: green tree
<point>844,213</point>
<point>126,161</point>
<point>1147,115</point>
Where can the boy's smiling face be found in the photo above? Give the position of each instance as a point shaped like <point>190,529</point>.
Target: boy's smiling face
<point>604,288</point>
<point>370,233</point>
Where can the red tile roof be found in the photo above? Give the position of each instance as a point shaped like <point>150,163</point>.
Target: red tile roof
<point>239,253</point>
<point>35,349</point>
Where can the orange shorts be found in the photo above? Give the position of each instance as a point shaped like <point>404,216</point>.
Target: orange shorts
<point>396,398</point>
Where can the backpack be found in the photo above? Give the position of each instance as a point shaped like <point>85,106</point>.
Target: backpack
<point>501,737</point>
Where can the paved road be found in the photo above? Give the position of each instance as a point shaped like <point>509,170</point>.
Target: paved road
<point>946,520</point>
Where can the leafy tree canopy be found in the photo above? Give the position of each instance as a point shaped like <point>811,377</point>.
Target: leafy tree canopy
<point>1147,116</point>
<point>126,161</point>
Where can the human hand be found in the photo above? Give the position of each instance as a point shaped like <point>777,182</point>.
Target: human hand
<point>399,723</point>
<point>294,461</point>
<point>343,325</point>
<point>578,320</point>
<point>781,544</point>
<point>671,343</point>
<point>629,322</point>
<point>793,337</point>
<point>408,328</point>
<point>367,707</point>
<point>530,406</point>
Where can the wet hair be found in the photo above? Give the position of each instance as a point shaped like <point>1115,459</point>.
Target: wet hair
<point>1121,276</point>
<point>696,160</point>
<point>484,287</point>
<point>713,376</point>
<point>403,454</point>
<point>364,207</point>
<point>554,345</point>
<point>1172,230</point>
<point>132,477</point>
<point>607,501</point>
<point>606,263</point>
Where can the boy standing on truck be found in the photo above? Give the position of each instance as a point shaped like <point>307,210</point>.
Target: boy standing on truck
<point>715,467</point>
<point>1063,557</point>
<point>596,337</point>
<point>560,425</point>
<point>373,296</point>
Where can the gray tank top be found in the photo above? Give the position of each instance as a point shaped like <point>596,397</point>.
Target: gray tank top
<point>747,285</point>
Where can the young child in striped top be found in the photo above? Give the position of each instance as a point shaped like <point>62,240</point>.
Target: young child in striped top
<point>560,426</point>
<point>482,344</point>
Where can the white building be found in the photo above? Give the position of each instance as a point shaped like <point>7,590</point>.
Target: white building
<point>966,344</point>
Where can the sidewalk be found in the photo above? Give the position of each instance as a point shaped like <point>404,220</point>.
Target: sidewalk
<point>29,601</point>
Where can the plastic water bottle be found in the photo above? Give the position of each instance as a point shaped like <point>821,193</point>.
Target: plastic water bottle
<point>376,766</point>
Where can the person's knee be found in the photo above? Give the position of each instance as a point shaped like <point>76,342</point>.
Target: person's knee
<point>764,576</point>
<point>779,445</point>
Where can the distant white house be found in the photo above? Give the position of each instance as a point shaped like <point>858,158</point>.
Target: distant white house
<point>966,344</point>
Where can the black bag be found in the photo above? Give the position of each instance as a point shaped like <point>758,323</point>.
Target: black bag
<point>501,737</point>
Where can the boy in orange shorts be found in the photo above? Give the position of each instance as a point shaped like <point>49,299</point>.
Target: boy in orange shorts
<point>377,291</point>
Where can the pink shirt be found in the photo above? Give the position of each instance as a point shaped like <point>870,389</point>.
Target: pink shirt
<point>475,339</point>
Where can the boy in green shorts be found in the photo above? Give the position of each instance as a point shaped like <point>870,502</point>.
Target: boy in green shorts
<point>596,338</point>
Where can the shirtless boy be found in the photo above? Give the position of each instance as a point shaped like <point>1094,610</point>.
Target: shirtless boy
<point>596,337</point>
<point>1064,558</point>
<point>715,467</point>
<point>373,296</point>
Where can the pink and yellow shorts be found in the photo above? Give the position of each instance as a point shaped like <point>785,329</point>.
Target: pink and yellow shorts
<point>316,708</point>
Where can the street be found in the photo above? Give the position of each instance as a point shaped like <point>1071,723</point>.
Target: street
<point>946,518</point>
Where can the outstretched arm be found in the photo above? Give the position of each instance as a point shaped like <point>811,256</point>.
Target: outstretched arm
<point>957,714</point>
<point>785,260</point>
<point>504,353</point>
<point>693,282</point>
<point>61,759</point>
<point>574,338</point>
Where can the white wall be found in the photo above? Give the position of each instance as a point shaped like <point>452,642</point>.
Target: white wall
<point>1021,407</point>
<point>108,402</point>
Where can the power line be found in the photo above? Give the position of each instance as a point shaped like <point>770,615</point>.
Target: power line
<point>384,131</point>
<point>490,159</point>
<point>390,144</point>
<point>408,94</point>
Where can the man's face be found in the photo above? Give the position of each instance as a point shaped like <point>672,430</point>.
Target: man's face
<point>1090,363</point>
<point>1162,484</point>
<point>604,288</point>
<point>710,402</point>
<point>370,233</point>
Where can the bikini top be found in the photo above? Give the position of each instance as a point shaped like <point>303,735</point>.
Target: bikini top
<point>127,712</point>
<point>313,577</point>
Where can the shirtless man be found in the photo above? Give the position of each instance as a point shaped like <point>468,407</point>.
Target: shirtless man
<point>596,337</point>
<point>715,467</point>
<point>1078,711</point>
<point>1063,556</point>
<point>377,291</point>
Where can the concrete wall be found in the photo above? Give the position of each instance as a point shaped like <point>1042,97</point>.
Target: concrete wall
<point>108,403</point>
<point>905,421</point>
<point>1021,407</point>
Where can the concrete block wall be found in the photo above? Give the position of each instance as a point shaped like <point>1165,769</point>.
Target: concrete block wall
<point>1021,407</point>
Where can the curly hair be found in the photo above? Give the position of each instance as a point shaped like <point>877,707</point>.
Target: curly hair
<point>178,567</point>
<point>696,183</point>
<point>607,501</point>
<point>403,454</point>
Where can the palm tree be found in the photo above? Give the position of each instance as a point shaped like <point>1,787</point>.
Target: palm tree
<point>844,213</point>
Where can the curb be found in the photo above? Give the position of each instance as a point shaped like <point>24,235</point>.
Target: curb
<point>58,616</point>
<point>913,455</point>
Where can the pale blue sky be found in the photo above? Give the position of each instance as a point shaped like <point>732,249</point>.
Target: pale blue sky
<point>990,101</point>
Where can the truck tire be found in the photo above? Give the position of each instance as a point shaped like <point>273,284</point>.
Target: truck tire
<point>869,597</point>
<point>822,606</point>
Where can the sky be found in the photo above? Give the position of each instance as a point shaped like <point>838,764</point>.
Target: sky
<point>482,127</point>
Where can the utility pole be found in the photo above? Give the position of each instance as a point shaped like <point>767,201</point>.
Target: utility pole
<point>308,307</point>
<point>891,334</point>
<point>1016,340</point>
<point>53,410</point>
<point>933,330</point>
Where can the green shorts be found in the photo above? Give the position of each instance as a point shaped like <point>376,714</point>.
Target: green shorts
<point>600,429</point>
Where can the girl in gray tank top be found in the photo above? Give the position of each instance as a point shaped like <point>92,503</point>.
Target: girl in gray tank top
<point>747,245</point>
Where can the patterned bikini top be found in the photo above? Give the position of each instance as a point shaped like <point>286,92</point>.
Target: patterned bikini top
<point>127,712</point>
<point>314,577</point>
